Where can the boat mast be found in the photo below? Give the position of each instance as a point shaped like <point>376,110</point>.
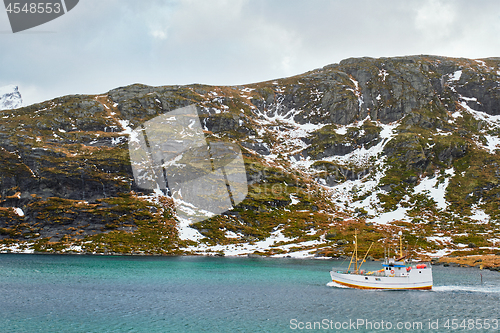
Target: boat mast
<point>400,244</point>
<point>356,251</point>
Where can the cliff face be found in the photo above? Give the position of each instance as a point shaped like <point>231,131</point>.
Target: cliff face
<point>372,144</point>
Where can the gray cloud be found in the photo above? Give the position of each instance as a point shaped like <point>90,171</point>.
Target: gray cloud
<point>101,45</point>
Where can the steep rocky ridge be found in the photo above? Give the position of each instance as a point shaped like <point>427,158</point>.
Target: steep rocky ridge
<point>378,145</point>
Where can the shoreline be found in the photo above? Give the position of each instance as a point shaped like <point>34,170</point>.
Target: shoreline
<point>487,261</point>
<point>480,261</point>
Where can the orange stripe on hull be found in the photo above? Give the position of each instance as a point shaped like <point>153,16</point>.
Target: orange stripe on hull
<point>363,287</point>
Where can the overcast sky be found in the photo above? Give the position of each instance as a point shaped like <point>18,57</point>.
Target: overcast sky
<point>104,44</point>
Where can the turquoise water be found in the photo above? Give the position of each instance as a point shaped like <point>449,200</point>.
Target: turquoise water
<point>49,293</point>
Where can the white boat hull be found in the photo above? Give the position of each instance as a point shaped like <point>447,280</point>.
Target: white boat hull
<point>416,280</point>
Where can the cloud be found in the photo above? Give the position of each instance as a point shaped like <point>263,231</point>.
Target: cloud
<point>101,45</point>
<point>436,19</point>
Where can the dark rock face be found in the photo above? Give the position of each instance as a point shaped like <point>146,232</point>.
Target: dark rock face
<point>258,147</point>
<point>386,89</point>
<point>484,88</point>
<point>453,152</point>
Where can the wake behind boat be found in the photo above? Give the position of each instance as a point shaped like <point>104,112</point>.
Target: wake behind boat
<point>396,274</point>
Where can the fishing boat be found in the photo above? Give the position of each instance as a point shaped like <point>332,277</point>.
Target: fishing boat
<point>395,274</point>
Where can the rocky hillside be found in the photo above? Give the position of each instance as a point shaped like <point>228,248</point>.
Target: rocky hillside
<point>378,145</point>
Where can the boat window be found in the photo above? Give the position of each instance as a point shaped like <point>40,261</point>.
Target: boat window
<point>366,277</point>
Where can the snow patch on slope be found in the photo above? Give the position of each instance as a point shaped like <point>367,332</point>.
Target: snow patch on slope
<point>493,143</point>
<point>478,214</point>
<point>357,92</point>
<point>436,190</point>
<point>363,156</point>
<point>456,75</point>
<point>271,243</point>
<point>492,122</point>
<point>25,248</point>
<point>287,132</point>
<point>19,211</point>
<point>184,229</point>
<point>367,186</point>
<point>431,187</point>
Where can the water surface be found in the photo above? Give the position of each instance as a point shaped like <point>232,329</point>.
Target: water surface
<point>51,293</point>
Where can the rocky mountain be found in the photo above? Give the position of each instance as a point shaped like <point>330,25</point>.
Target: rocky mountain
<point>375,145</point>
<point>10,98</point>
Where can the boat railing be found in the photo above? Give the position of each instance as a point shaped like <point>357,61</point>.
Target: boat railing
<point>365,273</point>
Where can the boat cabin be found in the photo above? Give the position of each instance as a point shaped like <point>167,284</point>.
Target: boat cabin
<point>392,267</point>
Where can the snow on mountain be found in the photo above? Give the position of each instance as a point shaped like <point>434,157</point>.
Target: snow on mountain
<point>10,98</point>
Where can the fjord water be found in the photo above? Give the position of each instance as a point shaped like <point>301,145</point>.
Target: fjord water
<point>55,293</point>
